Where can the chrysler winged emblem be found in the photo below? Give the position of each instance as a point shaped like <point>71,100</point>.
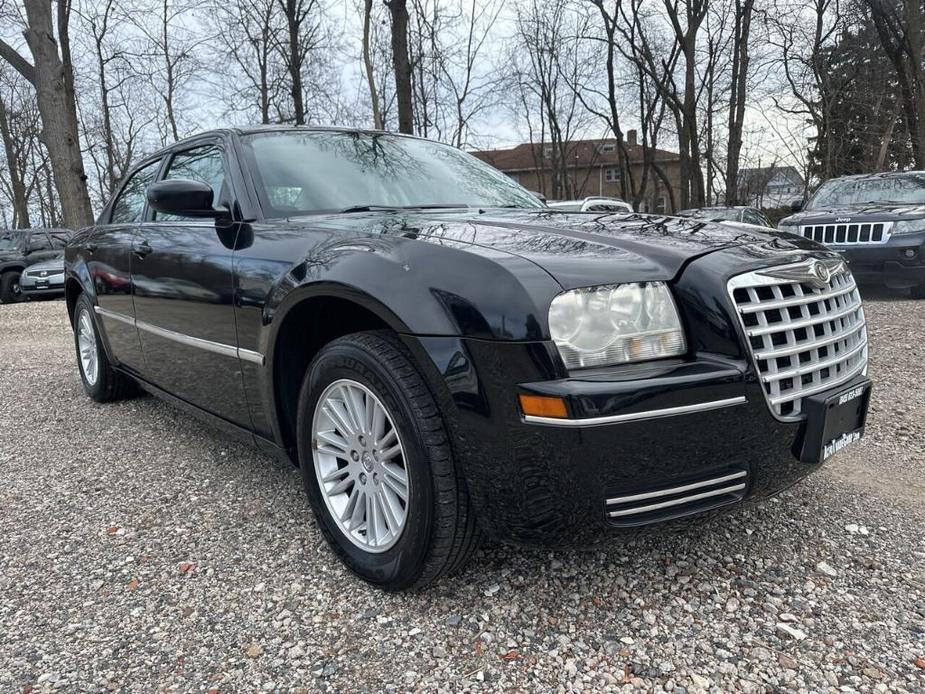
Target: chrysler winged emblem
<point>816,272</point>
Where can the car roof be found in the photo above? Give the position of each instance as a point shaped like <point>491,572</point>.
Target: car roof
<point>880,174</point>
<point>255,129</point>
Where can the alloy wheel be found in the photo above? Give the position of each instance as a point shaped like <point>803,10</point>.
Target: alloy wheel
<point>86,344</point>
<point>360,465</point>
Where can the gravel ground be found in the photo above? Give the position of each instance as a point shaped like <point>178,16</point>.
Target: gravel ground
<point>141,551</point>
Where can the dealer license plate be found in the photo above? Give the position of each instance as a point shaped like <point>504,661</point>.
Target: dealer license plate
<point>835,421</point>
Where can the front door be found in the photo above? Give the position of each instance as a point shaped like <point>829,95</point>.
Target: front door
<point>109,259</point>
<point>183,289</point>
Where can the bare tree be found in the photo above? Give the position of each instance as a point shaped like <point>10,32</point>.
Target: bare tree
<point>13,148</point>
<point>51,74</point>
<point>368,65</point>
<point>738,95</point>
<point>401,64</point>
<point>249,33</point>
<point>900,27</point>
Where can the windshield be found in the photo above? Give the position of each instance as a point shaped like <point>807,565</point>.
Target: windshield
<point>11,242</point>
<point>907,189</point>
<point>305,172</point>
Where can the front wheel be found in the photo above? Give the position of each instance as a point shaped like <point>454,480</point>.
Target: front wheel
<point>377,465</point>
<point>10,291</point>
<point>99,379</point>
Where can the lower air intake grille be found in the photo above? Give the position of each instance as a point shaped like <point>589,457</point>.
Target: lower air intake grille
<point>679,499</point>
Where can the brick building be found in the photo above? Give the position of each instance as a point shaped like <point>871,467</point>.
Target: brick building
<point>592,169</point>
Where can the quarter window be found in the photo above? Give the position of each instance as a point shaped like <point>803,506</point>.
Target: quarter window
<point>199,164</point>
<point>130,204</point>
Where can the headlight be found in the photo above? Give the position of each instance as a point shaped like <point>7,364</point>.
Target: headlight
<point>909,226</point>
<point>616,324</point>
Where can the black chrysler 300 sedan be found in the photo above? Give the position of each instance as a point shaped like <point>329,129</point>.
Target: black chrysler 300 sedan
<point>444,357</point>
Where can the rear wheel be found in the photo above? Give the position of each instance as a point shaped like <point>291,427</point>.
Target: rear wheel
<point>10,291</point>
<point>99,379</point>
<point>377,465</point>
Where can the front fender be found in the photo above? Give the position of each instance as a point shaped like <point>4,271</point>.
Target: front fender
<point>421,286</point>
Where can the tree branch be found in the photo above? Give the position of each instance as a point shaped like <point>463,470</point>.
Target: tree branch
<point>20,64</point>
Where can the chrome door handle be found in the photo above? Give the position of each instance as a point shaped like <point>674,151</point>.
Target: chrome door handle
<point>142,249</point>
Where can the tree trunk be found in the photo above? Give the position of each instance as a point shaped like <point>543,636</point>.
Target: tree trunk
<point>18,185</point>
<point>368,64</point>
<point>53,79</point>
<point>401,64</point>
<point>740,60</point>
<point>294,61</point>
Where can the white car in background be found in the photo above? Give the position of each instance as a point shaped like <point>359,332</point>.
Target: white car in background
<point>598,204</point>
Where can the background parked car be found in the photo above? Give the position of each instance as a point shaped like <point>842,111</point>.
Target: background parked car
<point>20,248</point>
<point>599,204</point>
<point>738,213</point>
<point>877,223</point>
<point>43,280</point>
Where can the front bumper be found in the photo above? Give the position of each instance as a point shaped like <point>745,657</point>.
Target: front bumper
<point>698,429</point>
<point>899,263</point>
<point>33,287</point>
<point>662,427</point>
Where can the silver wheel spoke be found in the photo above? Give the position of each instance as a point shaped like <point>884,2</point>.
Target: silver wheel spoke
<point>334,410</point>
<point>368,497</point>
<point>86,347</point>
<point>333,443</point>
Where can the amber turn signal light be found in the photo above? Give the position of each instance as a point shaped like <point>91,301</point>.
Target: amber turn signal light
<point>543,406</point>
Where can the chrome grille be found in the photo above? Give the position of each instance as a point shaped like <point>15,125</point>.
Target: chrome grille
<point>805,336</point>
<point>848,234</point>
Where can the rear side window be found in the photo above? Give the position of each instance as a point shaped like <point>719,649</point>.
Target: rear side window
<point>38,241</point>
<point>199,164</point>
<point>130,204</point>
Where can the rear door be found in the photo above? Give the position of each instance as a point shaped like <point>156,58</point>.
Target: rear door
<point>183,288</point>
<point>109,258</point>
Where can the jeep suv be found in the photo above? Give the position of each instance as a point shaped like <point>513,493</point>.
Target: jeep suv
<point>876,222</point>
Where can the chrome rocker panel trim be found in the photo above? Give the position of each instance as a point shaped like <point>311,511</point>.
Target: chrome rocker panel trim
<point>208,345</point>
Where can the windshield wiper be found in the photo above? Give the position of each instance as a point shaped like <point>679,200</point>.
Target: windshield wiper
<point>393,208</point>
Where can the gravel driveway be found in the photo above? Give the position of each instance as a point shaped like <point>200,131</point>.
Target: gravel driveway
<point>142,551</point>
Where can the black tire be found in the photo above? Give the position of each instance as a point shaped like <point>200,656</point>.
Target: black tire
<point>10,292</point>
<point>440,532</point>
<point>109,384</point>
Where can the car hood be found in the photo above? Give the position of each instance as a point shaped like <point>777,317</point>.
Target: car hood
<point>843,215</point>
<point>53,264</point>
<point>579,249</point>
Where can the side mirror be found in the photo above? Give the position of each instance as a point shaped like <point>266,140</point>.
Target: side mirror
<point>538,196</point>
<point>797,205</point>
<point>183,197</point>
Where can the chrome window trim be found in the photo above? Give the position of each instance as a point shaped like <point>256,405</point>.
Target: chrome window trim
<point>189,340</point>
<point>636,416</point>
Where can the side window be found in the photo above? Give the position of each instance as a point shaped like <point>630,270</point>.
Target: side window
<point>58,241</point>
<point>38,241</point>
<point>199,164</point>
<point>130,204</point>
